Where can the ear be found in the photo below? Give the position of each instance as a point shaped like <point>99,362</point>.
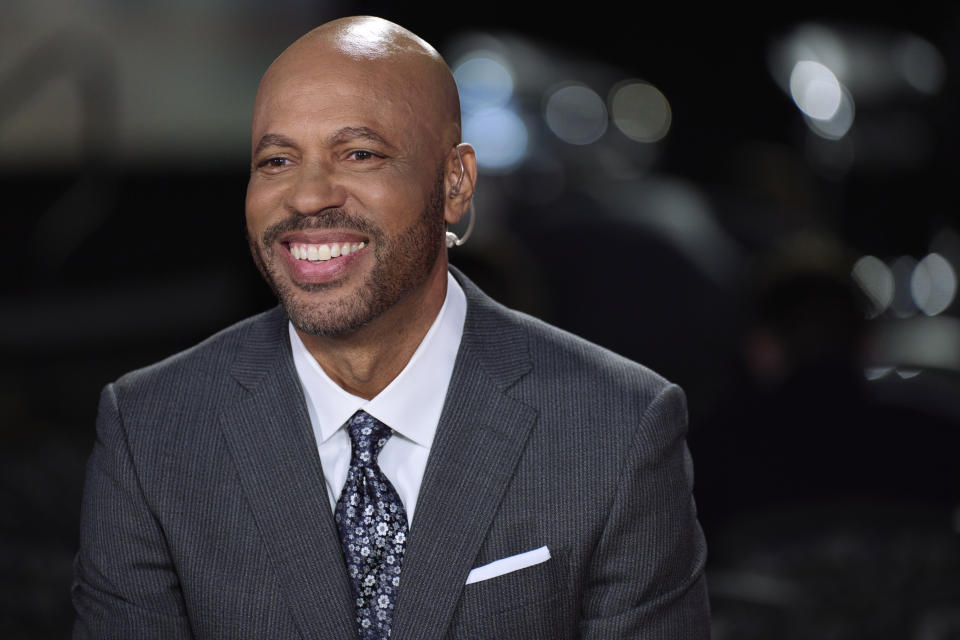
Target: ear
<point>460,179</point>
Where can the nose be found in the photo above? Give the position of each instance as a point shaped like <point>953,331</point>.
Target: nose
<point>314,190</point>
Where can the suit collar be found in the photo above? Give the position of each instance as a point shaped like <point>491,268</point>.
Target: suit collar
<point>480,438</point>
<point>268,432</point>
<point>264,347</point>
<point>497,344</point>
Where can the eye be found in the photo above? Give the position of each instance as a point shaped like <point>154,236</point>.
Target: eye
<point>273,163</point>
<point>362,154</point>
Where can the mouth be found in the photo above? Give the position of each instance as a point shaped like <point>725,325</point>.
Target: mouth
<point>316,252</point>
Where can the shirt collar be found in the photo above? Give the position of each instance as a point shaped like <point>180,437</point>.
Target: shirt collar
<point>412,402</point>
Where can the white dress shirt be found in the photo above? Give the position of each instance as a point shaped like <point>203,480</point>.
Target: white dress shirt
<point>410,405</point>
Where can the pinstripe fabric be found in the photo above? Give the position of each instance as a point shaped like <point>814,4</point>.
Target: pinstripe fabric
<point>204,513</point>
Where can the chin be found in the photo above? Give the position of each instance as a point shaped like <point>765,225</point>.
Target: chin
<point>334,315</point>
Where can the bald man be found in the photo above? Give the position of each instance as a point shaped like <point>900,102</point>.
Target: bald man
<point>388,453</point>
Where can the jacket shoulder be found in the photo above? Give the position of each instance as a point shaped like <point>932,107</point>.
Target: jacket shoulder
<point>205,361</point>
<point>562,359</point>
<point>564,349</point>
<point>538,358</point>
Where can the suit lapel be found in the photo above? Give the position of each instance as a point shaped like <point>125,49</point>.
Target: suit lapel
<point>480,437</point>
<point>268,431</point>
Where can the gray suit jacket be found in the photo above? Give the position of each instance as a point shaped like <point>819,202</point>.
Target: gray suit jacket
<point>205,515</point>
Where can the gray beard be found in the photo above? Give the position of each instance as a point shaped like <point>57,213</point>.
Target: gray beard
<point>401,265</point>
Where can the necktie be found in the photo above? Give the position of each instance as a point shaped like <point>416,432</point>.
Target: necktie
<point>373,528</point>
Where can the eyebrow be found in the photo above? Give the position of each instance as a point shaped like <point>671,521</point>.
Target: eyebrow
<point>344,134</point>
<point>273,140</point>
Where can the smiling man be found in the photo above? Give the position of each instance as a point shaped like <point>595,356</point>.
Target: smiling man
<point>389,453</point>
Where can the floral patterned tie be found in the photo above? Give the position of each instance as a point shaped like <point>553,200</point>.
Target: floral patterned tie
<point>373,528</point>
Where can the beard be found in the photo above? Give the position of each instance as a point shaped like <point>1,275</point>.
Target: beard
<point>401,264</point>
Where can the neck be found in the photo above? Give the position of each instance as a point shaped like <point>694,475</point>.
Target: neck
<point>364,362</point>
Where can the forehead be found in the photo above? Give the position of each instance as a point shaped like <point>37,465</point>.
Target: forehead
<point>331,92</point>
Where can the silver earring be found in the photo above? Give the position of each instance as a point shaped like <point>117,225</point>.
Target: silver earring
<point>452,239</point>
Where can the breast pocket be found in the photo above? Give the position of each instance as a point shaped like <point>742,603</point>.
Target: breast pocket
<point>529,603</point>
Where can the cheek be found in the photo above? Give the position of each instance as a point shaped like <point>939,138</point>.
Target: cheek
<point>395,201</point>
<point>258,204</point>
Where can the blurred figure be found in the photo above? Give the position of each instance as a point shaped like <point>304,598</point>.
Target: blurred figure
<point>803,426</point>
<point>822,502</point>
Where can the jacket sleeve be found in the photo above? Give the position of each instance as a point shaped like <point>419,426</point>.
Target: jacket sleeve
<point>645,578</point>
<point>125,585</point>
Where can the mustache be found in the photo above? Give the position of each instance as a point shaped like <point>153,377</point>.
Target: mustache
<point>330,219</point>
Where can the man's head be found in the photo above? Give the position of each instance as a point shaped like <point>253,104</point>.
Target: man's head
<point>356,132</point>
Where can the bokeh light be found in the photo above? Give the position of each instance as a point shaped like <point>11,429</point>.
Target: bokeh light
<point>920,64</point>
<point>483,82</point>
<point>576,114</point>
<point>499,136</point>
<point>877,373</point>
<point>837,125</point>
<point>640,111</point>
<point>486,86</point>
<point>933,284</point>
<point>876,280</point>
<point>815,89</point>
<point>902,305</point>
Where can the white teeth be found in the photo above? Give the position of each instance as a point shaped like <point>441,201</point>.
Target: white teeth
<point>322,252</point>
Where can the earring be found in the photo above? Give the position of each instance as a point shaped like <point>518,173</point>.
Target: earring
<point>452,239</point>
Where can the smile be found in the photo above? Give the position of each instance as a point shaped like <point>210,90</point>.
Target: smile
<point>323,252</point>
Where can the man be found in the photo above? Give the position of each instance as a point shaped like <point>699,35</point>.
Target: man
<point>389,453</point>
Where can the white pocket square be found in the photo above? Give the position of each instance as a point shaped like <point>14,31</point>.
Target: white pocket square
<point>506,565</point>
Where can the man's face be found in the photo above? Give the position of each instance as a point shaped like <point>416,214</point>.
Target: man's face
<point>345,201</point>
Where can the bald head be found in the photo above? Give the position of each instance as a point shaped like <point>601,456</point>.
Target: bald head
<point>356,157</point>
<point>398,66</point>
<point>368,37</point>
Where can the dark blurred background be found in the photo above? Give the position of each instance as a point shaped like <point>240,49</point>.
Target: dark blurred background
<point>760,205</point>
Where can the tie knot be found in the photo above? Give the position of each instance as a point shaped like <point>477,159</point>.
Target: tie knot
<point>367,436</point>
